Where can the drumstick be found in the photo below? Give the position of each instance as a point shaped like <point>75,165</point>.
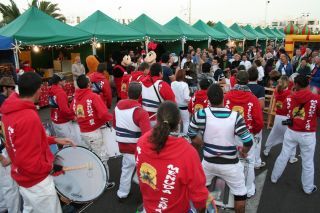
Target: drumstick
<point>83,166</point>
<point>152,115</point>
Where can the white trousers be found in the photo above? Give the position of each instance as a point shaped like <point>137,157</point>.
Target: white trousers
<point>251,159</point>
<point>69,130</point>
<point>276,135</point>
<point>232,173</point>
<point>9,191</point>
<point>97,144</point>
<point>41,197</point>
<point>128,167</point>
<point>185,118</point>
<point>257,149</point>
<point>307,143</point>
<point>250,182</point>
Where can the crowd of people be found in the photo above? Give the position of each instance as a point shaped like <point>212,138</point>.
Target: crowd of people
<point>167,109</point>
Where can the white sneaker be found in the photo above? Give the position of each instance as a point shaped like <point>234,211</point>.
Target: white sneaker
<point>263,164</point>
<point>293,160</point>
<point>265,153</point>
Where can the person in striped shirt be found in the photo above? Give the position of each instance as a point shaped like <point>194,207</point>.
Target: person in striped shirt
<point>220,128</point>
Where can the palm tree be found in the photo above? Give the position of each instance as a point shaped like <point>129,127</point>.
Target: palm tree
<point>210,23</point>
<point>49,8</point>
<point>9,12</point>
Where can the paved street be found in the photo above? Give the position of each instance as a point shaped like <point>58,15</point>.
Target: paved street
<point>284,197</point>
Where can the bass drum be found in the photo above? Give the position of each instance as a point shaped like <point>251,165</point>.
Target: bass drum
<point>80,185</point>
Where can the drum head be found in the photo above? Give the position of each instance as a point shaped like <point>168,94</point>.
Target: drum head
<point>81,185</point>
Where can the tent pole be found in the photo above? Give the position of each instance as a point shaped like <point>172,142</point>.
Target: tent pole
<point>256,42</point>
<point>209,41</point>
<point>94,43</point>
<point>243,43</point>
<point>183,41</point>
<point>146,44</point>
<point>16,54</point>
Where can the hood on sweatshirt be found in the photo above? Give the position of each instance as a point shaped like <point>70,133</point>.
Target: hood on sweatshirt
<point>302,96</point>
<point>55,89</point>
<point>147,82</point>
<point>173,149</point>
<point>14,104</point>
<point>97,76</point>
<point>81,93</point>
<point>128,104</point>
<point>239,96</point>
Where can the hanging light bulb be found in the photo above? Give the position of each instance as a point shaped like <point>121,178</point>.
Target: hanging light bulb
<point>36,49</point>
<point>98,45</point>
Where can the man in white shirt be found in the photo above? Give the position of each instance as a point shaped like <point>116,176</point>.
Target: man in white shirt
<point>245,62</point>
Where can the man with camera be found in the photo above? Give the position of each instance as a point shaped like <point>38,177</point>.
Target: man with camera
<point>303,108</point>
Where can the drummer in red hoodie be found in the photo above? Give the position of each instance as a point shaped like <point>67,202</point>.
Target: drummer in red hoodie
<point>200,99</point>
<point>130,122</point>
<point>303,108</point>
<point>155,91</point>
<point>92,116</point>
<point>61,114</point>
<point>242,100</point>
<point>169,168</point>
<point>28,147</point>
<point>101,85</point>
<point>142,72</point>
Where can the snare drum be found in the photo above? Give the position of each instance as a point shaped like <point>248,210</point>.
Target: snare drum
<point>80,185</point>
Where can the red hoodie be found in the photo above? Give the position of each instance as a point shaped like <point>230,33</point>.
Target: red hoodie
<point>198,101</point>
<point>118,72</point>
<point>124,86</point>
<point>169,180</point>
<point>26,142</point>
<point>137,76</point>
<point>249,107</point>
<point>106,93</point>
<point>63,113</point>
<point>280,98</point>
<point>90,110</point>
<point>233,81</point>
<point>140,118</point>
<point>164,89</point>
<point>306,120</point>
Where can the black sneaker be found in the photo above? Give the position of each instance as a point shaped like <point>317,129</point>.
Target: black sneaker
<point>110,185</point>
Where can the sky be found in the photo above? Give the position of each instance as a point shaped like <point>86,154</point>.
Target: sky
<point>227,11</point>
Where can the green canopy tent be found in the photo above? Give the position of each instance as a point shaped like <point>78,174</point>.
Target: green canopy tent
<point>230,33</point>
<point>212,33</point>
<point>280,36</point>
<point>248,35</point>
<point>105,29</point>
<point>34,27</point>
<point>280,32</point>
<point>269,35</point>
<point>271,32</point>
<point>259,35</point>
<point>153,30</point>
<point>185,31</point>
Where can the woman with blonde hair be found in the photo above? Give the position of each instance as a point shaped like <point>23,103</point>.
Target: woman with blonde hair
<point>276,135</point>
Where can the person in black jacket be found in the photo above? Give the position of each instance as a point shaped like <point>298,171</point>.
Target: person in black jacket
<point>304,69</point>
